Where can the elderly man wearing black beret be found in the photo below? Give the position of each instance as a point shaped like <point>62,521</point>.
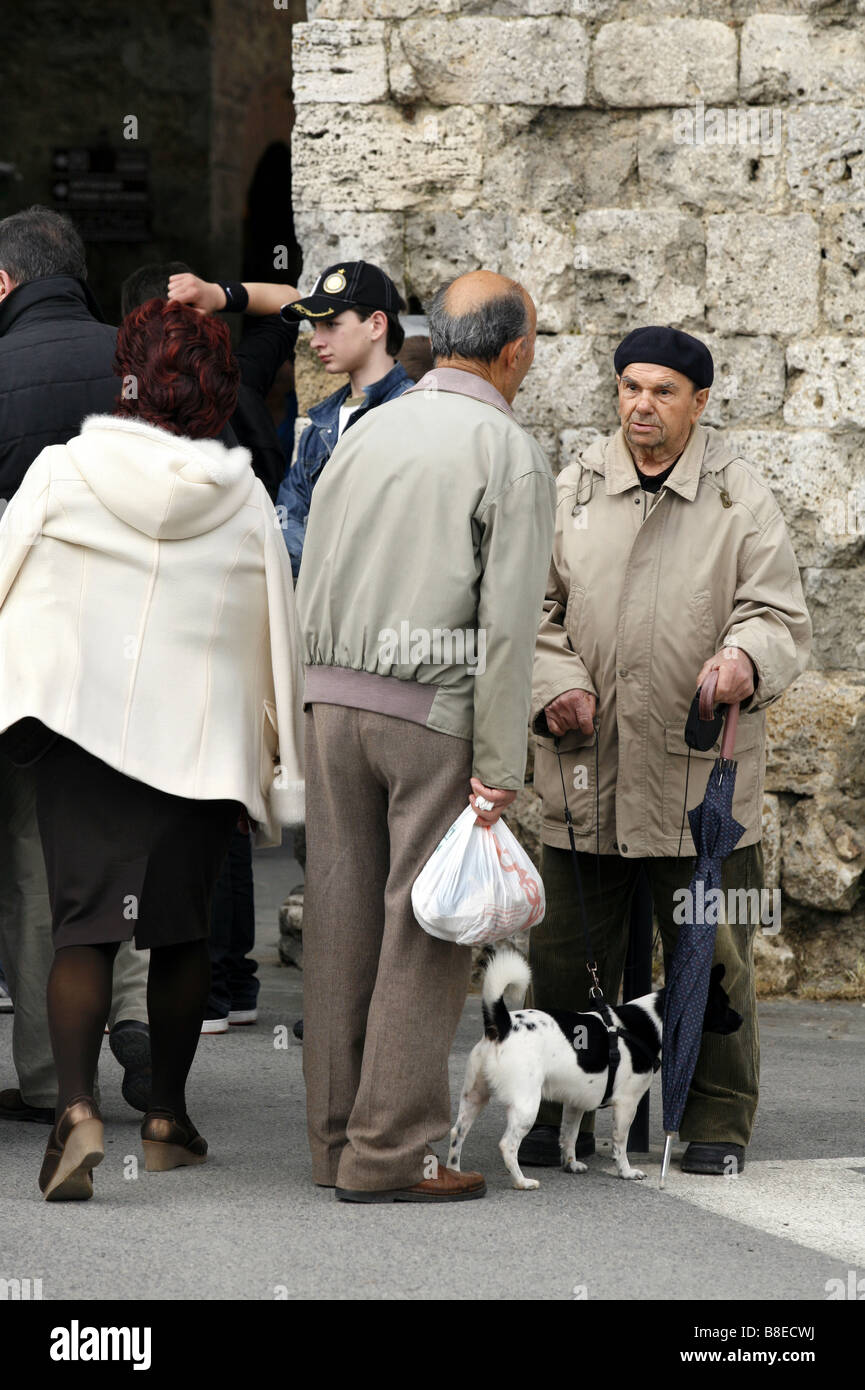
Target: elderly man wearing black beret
<point>670,558</point>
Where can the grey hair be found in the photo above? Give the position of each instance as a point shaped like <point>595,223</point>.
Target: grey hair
<point>480,333</point>
<point>37,243</point>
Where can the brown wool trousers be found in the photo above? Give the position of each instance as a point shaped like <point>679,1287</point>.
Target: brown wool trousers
<point>381,998</point>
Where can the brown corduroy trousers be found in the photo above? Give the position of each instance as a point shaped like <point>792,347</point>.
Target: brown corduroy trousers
<point>382,998</point>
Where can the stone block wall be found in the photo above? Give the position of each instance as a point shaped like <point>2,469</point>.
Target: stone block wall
<point>697,162</point>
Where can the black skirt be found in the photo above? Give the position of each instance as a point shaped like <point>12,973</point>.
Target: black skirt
<point>124,858</point>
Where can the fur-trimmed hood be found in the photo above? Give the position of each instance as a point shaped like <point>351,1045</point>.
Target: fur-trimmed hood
<point>163,484</point>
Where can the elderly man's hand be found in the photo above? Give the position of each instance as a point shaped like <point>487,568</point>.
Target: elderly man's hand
<point>573,710</point>
<point>203,295</point>
<point>735,675</point>
<point>486,814</point>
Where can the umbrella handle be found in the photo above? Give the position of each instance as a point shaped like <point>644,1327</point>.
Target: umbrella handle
<point>707,710</point>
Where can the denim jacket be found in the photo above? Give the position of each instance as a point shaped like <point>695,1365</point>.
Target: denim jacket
<point>315,447</point>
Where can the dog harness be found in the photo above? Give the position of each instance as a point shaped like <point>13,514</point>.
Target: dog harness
<point>614,1032</point>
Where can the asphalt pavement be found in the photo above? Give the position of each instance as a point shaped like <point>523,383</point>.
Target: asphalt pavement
<point>250,1225</point>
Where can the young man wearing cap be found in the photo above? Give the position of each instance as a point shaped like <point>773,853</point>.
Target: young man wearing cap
<point>353,310</point>
<point>671,558</point>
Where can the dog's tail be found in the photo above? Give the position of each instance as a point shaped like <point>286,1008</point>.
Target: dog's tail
<point>506,974</point>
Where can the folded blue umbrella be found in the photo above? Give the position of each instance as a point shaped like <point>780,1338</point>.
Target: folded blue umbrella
<point>715,834</point>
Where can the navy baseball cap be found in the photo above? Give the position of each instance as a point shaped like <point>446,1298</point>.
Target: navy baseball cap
<point>348,285</point>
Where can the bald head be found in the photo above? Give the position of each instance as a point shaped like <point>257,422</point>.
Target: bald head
<point>476,314</point>
<point>484,323</point>
<point>469,293</point>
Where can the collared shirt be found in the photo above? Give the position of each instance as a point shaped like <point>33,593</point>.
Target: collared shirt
<point>463,383</point>
<point>621,473</point>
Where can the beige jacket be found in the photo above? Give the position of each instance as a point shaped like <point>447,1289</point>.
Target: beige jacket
<point>424,567</point>
<point>147,613</point>
<point>642,590</point>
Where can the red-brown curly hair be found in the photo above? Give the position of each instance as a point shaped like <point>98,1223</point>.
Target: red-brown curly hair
<point>178,369</point>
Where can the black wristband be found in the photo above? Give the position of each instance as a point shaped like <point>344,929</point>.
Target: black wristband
<point>236,297</point>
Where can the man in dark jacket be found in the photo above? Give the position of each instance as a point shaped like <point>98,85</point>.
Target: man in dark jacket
<point>56,357</point>
<point>56,352</point>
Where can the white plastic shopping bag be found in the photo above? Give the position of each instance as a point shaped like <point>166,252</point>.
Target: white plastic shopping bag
<point>478,885</point>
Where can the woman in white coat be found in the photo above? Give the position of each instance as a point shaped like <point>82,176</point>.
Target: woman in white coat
<point>151,672</point>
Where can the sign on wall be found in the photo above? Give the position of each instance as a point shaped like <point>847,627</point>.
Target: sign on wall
<point>106,191</point>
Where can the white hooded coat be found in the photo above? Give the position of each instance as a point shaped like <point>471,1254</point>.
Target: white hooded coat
<point>147,613</point>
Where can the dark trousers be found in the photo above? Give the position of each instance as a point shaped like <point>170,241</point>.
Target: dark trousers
<point>234,984</point>
<point>723,1097</point>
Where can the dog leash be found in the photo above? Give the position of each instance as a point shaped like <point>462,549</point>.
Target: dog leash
<point>595,991</point>
<point>596,994</point>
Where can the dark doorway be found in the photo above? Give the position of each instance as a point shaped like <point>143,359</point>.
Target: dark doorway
<point>269,221</point>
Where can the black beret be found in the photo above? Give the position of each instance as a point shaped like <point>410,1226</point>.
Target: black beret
<point>668,347</point>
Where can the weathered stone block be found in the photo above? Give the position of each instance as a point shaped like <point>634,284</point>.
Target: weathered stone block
<point>571,379</point>
<point>826,153</point>
<point>775,966</point>
<point>638,267</point>
<point>762,273</point>
<point>749,380</point>
<point>541,62</point>
<point>844,270</point>
<point>771,842</point>
<point>351,236</point>
<point>527,247</point>
<point>789,58</point>
<point>549,160</point>
<point>548,439</point>
<point>381,9</point>
<point>836,602</point>
<point>376,158</point>
<point>572,443</point>
<point>582,9</point>
<point>829,951</point>
<point>669,63</point>
<point>826,383</point>
<point>817,478</point>
<point>815,735</point>
<point>402,80</point>
<point>339,61</point>
<point>715,159</point>
<point>822,857</point>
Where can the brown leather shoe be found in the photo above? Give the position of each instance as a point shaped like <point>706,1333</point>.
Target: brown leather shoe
<point>76,1145</point>
<point>13,1106</point>
<point>447,1186</point>
<point>170,1143</point>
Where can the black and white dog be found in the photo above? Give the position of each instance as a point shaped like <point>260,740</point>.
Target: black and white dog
<point>528,1056</point>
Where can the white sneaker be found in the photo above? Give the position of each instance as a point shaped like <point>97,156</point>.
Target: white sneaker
<point>6,1005</point>
<point>238,1018</point>
<point>215,1025</point>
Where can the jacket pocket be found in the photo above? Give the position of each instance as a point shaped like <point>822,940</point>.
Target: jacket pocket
<point>578,767</point>
<point>748,756</point>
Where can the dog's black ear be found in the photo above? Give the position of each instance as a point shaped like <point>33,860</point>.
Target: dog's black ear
<point>718,973</point>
